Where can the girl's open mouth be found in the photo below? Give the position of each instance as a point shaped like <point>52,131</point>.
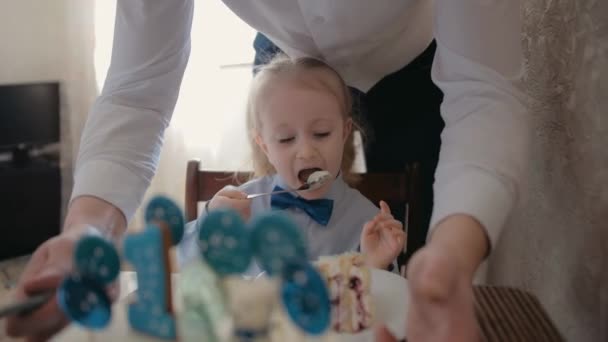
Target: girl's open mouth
<point>305,173</point>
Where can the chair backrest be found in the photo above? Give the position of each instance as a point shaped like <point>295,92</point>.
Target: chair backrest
<point>398,189</point>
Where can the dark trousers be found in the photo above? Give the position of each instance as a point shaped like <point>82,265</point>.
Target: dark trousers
<point>402,123</point>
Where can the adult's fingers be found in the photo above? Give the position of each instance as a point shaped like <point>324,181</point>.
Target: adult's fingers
<point>47,280</point>
<point>48,317</point>
<point>441,300</point>
<point>46,320</point>
<point>430,275</point>
<point>33,268</point>
<point>43,337</point>
<point>381,334</point>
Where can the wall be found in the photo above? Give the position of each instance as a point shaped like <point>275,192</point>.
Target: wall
<point>556,244</point>
<point>32,36</point>
<point>52,41</point>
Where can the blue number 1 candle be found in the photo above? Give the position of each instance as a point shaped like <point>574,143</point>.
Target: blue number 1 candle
<point>148,251</point>
<point>151,313</point>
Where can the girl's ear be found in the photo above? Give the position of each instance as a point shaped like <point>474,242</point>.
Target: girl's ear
<point>348,127</point>
<point>260,142</point>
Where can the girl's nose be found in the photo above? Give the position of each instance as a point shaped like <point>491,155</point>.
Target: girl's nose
<point>306,150</point>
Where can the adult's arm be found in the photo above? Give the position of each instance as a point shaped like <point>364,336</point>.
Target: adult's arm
<point>478,66</point>
<point>121,142</point>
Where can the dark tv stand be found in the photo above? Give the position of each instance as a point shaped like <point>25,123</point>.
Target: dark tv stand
<point>30,203</point>
<point>21,155</point>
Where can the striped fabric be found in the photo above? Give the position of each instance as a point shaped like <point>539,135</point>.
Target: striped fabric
<point>509,314</point>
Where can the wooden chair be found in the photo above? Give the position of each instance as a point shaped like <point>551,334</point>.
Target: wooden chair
<point>397,189</point>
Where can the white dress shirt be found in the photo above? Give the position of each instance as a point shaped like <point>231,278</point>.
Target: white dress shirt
<point>351,211</point>
<point>477,64</point>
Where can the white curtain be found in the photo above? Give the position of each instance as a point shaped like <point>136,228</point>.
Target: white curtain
<point>78,86</point>
<point>209,119</point>
<point>208,122</point>
<point>556,244</point>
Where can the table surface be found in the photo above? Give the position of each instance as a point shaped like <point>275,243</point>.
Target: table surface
<point>9,273</point>
<point>503,313</point>
<point>510,314</point>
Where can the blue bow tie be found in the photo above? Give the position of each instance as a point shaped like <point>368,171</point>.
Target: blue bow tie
<point>246,335</point>
<point>319,209</point>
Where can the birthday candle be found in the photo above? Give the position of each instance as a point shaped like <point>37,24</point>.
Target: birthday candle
<point>82,295</point>
<point>148,251</point>
<point>151,313</point>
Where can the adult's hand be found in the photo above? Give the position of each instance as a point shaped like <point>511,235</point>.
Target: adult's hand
<point>382,334</point>
<point>441,299</point>
<point>53,260</point>
<point>440,282</point>
<point>49,265</point>
<point>441,302</point>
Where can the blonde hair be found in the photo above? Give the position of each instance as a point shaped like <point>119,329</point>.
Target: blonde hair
<point>282,65</point>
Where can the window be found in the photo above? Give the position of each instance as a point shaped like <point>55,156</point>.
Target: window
<point>209,118</point>
<point>208,121</point>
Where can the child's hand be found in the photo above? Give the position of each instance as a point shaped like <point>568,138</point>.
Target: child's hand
<point>382,238</point>
<point>231,197</point>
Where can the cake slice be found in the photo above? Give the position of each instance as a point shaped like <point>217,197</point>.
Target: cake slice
<point>349,283</point>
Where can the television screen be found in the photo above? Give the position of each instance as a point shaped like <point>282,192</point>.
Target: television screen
<point>29,114</point>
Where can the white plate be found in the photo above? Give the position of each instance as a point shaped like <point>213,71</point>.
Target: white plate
<point>389,292</point>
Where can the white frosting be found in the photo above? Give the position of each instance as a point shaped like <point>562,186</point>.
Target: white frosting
<point>252,303</point>
<point>317,179</point>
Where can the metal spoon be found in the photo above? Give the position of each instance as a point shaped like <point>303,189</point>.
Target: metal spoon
<point>27,305</point>
<point>314,181</point>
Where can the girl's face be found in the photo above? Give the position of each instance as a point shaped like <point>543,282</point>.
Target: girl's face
<point>302,129</point>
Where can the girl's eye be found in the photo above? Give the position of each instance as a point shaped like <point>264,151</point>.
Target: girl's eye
<point>322,135</point>
<point>286,140</point>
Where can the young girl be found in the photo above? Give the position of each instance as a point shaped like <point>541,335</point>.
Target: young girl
<point>299,121</point>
